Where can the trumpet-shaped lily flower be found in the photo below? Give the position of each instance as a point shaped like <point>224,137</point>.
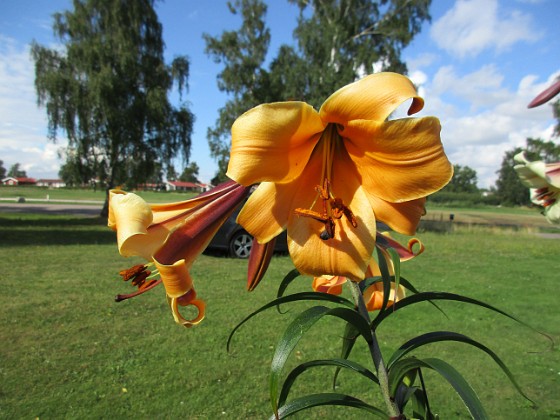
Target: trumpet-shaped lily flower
<point>170,237</point>
<point>543,180</point>
<point>327,176</point>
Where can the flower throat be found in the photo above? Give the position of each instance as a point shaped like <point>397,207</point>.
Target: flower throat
<point>333,207</point>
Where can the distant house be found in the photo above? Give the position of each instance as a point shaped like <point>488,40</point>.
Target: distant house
<point>183,186</point>
<point>18,181</point>
<point>51,183</point>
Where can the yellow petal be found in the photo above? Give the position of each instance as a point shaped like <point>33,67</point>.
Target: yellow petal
<point>131,216</point>
<point>175,277</point>
<point>273,142</point>
<point>265,214</point>
<point>373,296</point>
<point>374,98</point>
<point>329,284</point>
<point>399,160</point>
<point>349,252</point>
<point>401,217</point>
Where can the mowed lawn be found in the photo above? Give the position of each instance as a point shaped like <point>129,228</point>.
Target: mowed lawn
<point>70,351</point>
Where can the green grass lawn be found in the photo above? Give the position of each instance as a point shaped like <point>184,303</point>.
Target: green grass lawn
<point>70,351</point>
<point>54,194</point>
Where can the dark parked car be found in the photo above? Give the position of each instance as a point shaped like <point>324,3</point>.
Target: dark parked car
<point>237,242</point>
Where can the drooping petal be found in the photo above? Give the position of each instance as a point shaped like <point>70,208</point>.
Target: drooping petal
<point>131,216</point>
<point>373,98</point>
<point>349,252</point>
<point>259,259</point>
<point>385,241</point>
<point>273,142</point>
<point>175,277</point>
<point>399,160</point>
<point>401,217</point>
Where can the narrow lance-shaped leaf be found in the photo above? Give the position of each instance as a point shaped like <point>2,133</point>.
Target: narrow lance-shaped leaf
<point>339,363</point>
<point>297,329</point>
<point>438,336</point>
<point>311,296</point>
<point>316,400</point>
<point>455,379</point>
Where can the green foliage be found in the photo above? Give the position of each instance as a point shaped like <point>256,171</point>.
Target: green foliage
<point>190,173</point>
<point>107,90</point>
<point>2,170</point>
<point>16,171</point>
<point>338,41</point>
<point>396,380</point>
<point>464,180</point>
<point>242,52</point>
<point>509,188</point>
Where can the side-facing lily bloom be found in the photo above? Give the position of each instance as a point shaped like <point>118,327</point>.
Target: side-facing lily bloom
<point>543,180</point>
<point>170,237</point>
<point>327,176</point>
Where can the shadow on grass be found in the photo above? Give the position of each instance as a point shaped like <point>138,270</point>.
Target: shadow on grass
<point>54,231</point>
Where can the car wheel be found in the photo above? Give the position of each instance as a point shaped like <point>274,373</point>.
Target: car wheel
<point>240,244</point>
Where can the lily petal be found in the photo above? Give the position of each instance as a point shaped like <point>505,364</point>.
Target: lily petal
<point>259,259</point>
<point>374,98</point>
<point>348,253</point>
<point>546,95</point>
<point>373,296</point>
<point>399,160</point>
<point>329,284</point>
<point>193,236</point>
<point>401,217</point>
<point>273,142</point>
<point>131,216</point>
<point>265,225</point>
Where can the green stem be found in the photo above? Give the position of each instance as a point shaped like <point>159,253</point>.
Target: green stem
<point>376,355</point>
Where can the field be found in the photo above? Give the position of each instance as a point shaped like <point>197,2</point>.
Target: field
<point>70,351</point>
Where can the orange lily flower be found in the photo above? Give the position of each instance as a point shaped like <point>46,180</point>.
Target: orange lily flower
<point>327,176</point>
<point>170,236</point>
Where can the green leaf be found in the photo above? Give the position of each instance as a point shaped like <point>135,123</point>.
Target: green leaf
<point>455,379</point>
<point>339,363</point>
<point>315,400</point>
<point>428,296</point>
<point>348,340</point>
<point>290,277</point>
<point>297,329</point>
<point>303,296</point>
<point>438,336</point>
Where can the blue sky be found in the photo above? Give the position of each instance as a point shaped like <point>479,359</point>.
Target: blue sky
<point>478,64</point>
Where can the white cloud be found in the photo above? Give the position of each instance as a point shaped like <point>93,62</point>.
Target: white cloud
<point>472,26</point>
<point>23,136</point>
<point>481,119</point>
